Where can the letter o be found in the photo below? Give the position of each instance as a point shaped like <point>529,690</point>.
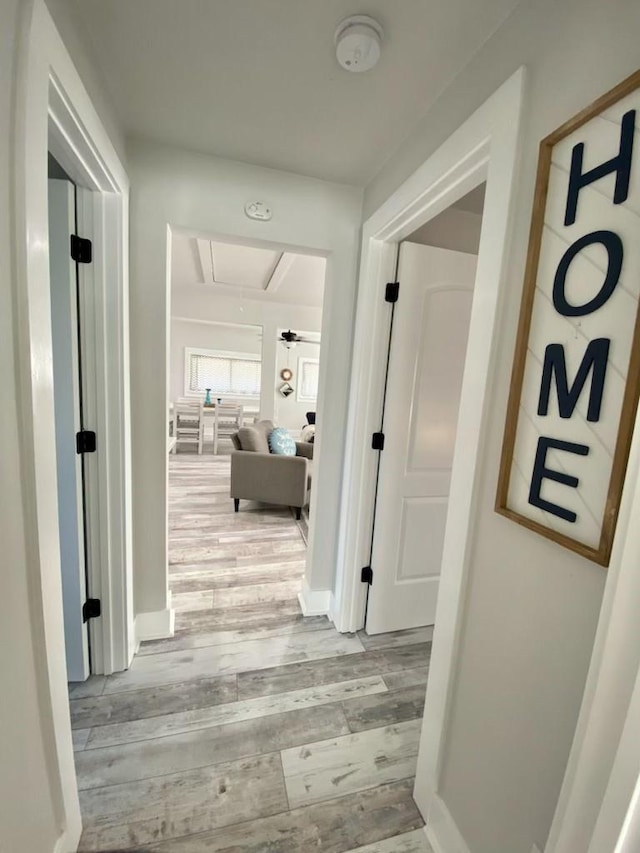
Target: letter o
<point>615,252</point>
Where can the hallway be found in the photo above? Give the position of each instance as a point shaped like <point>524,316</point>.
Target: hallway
<point>253,728</point>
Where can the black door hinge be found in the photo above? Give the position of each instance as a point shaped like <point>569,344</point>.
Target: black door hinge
<point>366,575</point>
<point>91,609</point>
<point>80,249</point>
<point>85,441</point>
<point>392,291</point>
<point>377,441</point>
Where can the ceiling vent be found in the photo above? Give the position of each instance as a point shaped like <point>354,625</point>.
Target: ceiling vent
<point>358,41</point>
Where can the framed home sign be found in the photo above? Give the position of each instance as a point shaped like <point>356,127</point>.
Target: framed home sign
<point>576,373</point>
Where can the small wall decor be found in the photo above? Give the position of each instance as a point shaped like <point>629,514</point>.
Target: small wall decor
<point>576,373</point>
<point>286,373</point>
<point>286,390</point>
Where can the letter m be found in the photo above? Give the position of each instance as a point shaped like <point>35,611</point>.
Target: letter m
<point>595,359</point>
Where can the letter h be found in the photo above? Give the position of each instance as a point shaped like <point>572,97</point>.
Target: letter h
<point>620,164</point>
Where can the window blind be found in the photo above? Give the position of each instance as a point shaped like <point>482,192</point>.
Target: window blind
<point>309,380</point>
<point>224,375</point>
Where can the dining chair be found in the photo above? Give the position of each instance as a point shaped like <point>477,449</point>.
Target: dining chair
<point>188,424</point>
<point>227,421</point>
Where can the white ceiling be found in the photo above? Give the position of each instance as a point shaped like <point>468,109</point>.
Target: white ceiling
<point>252,273</point>
<point>257,80</point>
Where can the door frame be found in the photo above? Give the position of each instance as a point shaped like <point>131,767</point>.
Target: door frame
<point>54,113</point>
<point>484,148</point>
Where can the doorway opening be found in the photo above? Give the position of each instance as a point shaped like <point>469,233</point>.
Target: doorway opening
<point>244,364</point>
<point>428,332</point>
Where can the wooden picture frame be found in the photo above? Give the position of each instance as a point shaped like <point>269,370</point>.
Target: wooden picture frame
<point>509,502</point>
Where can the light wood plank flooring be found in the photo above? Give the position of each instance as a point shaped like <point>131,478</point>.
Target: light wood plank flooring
<point>253,729</point>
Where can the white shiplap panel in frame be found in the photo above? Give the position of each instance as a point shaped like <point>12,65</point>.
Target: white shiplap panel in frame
<point>581,513</point>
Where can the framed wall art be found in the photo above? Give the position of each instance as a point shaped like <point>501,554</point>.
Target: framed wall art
<point>576,373</point>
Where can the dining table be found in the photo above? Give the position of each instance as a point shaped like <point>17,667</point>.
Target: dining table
<point>250,413</point>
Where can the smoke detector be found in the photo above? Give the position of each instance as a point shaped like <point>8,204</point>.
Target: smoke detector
<point>358,41</point>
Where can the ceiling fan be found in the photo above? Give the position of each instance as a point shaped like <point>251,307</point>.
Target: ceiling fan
<point>290,339</point>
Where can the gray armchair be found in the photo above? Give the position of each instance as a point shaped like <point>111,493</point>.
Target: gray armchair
<point>258,475</point>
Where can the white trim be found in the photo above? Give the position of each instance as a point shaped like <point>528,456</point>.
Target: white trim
<point>219,353</point>
<point>333,608</point>
<point>484,148</point>
<point>259,329</point>
<point>314,602</point>
<point>442,831</point>
<point>205,256</point>
<point>54,111</point>
<point>68,842</point>
<point>157,625</point>
<point>102,216</point>
<point>103,335</point>
<point>285,262</point>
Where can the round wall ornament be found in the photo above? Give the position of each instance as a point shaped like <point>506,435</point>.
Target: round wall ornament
<point>286,374</point>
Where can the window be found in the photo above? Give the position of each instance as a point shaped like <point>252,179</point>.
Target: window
<point>308,372</point>
<point>224,373</point>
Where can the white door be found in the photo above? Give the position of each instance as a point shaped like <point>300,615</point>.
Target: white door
<point>66,382</point>
<point>426,364</point>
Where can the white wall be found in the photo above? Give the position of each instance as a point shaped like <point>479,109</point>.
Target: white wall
<point>531,607</point>
<point>289,412</point>
<point>206,195</point>
<point>452,229</point>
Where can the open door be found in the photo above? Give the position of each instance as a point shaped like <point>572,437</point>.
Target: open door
<point>68,417</point>
<point>426,362</point>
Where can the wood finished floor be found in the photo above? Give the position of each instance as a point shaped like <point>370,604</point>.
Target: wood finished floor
<point>253,729</point>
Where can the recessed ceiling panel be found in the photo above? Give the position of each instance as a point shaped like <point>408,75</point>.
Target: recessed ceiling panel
<point>243,266</point>
<point>246,272</point>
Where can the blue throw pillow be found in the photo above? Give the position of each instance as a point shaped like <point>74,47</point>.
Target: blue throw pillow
<point>281,443</point>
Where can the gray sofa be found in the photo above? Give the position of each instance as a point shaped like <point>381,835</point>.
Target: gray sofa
<point>258,475</point>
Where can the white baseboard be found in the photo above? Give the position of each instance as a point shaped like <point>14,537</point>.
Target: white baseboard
<point>156,625</point>
<point>333,610</point>
<point>314,602</point>
<point>442,832</point>
<point>69,840</point>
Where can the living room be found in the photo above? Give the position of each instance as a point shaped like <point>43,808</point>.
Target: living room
<point>244,367</point>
